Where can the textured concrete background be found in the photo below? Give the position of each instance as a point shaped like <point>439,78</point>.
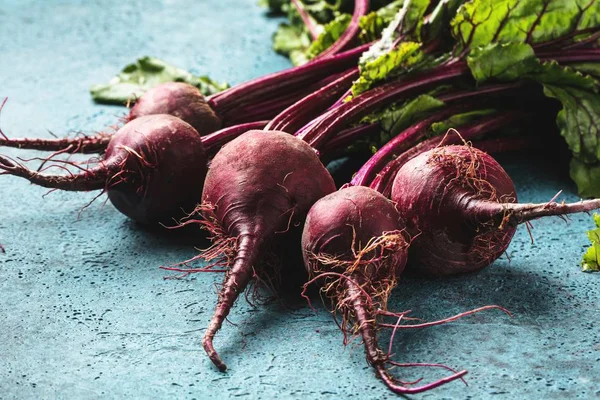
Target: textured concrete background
<point>85,313</point>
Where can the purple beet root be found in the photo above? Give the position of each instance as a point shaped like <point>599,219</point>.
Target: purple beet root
<point>181,100</point>
<point>460,206</point>
<point>355,247</point>
<point>259,186</point>
<point>153,170</point>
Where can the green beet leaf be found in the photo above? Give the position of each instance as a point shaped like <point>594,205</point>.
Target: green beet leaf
<point>502,62</point>
<point>401,59</point>
<point>586,176</point>
<point>481,22</point>
<point>591,258</point>
<point>373,24</point>
<point>331,32</point>
<point>293,42</point>
<point>144,74</point>
<point>458,120</point>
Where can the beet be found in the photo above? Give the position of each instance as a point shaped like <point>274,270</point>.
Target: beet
<point>355,246</point>
<point>259,186</point>
<point>181,100</point>
<point>153,169</point>
<point>462,209</point>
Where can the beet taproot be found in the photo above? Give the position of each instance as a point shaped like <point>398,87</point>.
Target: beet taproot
<point>259,186</point>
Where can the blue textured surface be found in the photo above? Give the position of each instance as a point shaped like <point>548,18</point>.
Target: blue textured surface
<point>85,312</point>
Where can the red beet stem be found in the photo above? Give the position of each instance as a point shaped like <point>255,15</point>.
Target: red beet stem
<point>559,42</point>
<point>284,81</point>
<point>361,7</point>
<point>399,144</point>
<point>301,112</point>
<point>384,179</point>
<point>322,128</point>
<point>219,138</point>
<point>308,23</point>
<point>94,178</point>
<point>349,136</point>
<point>84,144</point>
<point>375,356</point>
<point>236,280</point>
<point>572,56</point>
<point>331,122</point>
<point>272,107</point>
<point>412,135</point>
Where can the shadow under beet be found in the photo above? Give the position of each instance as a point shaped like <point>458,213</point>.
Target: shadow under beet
<point>515,289</point>
<point>434,299</point>
<point>189,235</point>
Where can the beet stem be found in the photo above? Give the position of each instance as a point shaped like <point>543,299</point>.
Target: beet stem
<point>220,137</point>
<point>572,56</point>
<point>236,280</point>
<point>308,23</point>
<point>283,81</point>
<point>296,114</point>
<point>330,122</point>
<point>361,7</point>
<point>321,129</point>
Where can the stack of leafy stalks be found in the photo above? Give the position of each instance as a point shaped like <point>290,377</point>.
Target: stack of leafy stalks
<point>428,195</point>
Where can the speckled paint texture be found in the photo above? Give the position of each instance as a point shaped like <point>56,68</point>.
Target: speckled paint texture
<point>85,312</point>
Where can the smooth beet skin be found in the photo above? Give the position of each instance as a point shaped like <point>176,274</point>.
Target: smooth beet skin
<point>259,186</point>
<point>153,170</point>
<point>165,183</point>
<point>460,207</point>
<point>181,100</point>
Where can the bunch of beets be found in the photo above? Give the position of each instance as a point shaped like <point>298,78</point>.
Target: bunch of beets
<point>434,90</point>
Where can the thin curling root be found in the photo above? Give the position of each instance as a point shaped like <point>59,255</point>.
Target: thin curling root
<point>355,247</point>
<point>82,144</point>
